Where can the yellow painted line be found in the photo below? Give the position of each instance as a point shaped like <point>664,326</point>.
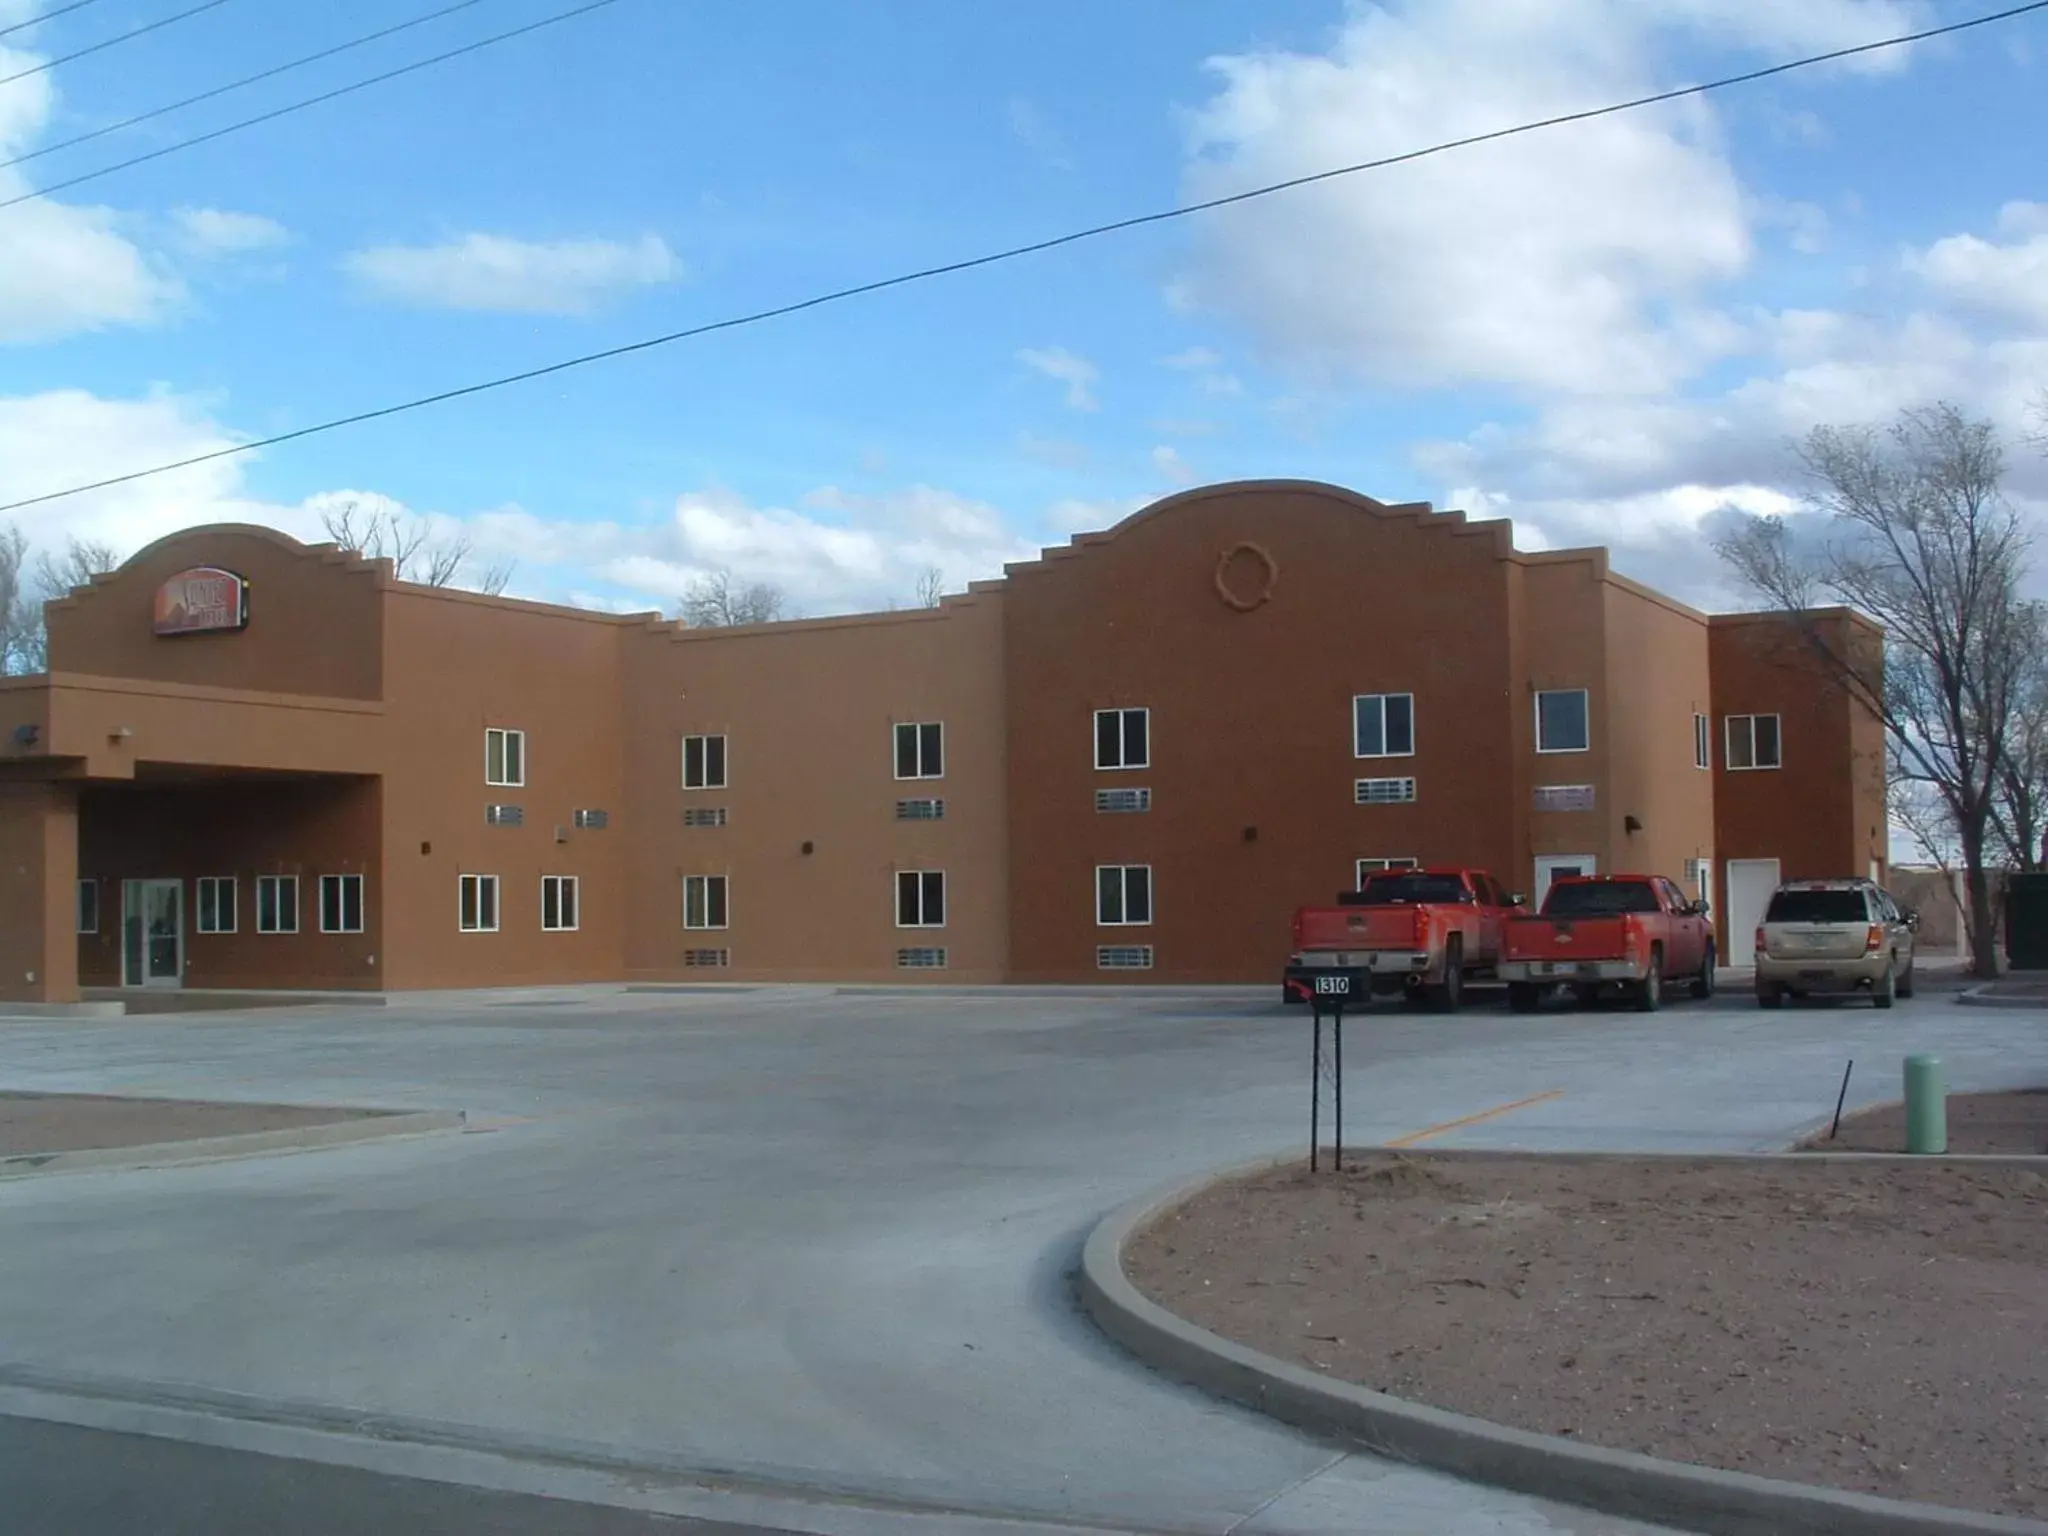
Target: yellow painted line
<point>1485,1114</point>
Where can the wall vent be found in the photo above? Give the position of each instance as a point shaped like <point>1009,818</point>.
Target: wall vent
<point>1564,797</point>
<point>707,957</point>
<point>592,821</point>
<point>927,959</point>
<point>1114,802</point>
<point>920,810</point>
<point>1383,791</point>
<point>504,815</point>
<point>1123,957</point>
<point>704,816</point>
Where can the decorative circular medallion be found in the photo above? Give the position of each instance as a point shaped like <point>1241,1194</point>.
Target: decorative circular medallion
<point>1245,576</point>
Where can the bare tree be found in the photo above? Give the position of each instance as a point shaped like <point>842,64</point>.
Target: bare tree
<point>408,542</point>
<point>719,601</point>
<point>931,587</point>
<point>24,643</point>
<point>1919,537</point>
<point>14,602</point>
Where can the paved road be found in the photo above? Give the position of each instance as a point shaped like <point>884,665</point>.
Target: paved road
<point>750,1243</point>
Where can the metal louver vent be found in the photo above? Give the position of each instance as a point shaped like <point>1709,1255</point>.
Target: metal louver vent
<point>704,816</point>
<point>927,959</point>
<point>707,957</point>
<point>1383,791</point>
<point>1109,802</point>
<point>594,821</point>
<point>920,810</point>
<point>1564,797</point>
<point>504,815</point>
<point>1124,957</point>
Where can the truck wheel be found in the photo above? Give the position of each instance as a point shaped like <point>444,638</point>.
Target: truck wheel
<point>1450,992</point>
<point>1906,981</point>
<point>1703,983</point>
<point>1521,997</point>
<point>1770,997</point>
<point>1887,989</point>
<point>1649,992</point>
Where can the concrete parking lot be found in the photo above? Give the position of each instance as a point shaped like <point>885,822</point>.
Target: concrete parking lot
<point>789,1243</point>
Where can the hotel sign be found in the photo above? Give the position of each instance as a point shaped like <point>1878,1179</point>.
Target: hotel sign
<point>202,600</point>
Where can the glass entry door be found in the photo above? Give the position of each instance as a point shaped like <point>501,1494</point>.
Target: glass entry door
<point>152,933</point>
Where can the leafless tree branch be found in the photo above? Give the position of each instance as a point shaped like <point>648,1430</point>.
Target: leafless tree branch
<point>718,600</point>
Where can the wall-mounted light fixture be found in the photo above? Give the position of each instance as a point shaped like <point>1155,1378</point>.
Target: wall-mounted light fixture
<point>1630,824</point>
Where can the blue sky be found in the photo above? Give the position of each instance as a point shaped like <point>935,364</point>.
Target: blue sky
<point>1608,331</point>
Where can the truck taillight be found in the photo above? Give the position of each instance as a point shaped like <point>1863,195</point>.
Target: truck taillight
<point>1421,919</point>
<point>1873,941</point>
<point>1761,947</point>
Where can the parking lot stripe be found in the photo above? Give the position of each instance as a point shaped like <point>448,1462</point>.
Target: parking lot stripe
<point>1485,1114</point>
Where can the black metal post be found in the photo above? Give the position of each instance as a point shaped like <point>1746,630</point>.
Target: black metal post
<point>1337,1025</point>
<point>1315,1089</point>
<point>1841,1099</point>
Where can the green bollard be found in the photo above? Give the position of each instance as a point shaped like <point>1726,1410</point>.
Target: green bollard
<point>1926,1105</point>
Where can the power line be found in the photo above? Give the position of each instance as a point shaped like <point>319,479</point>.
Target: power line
<point>108,42</point>
<point>36,21</point>
<point>232,85</point>
<point>1012,253</point>
<point>310,101</point>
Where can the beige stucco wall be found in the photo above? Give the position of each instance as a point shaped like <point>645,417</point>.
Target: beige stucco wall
<point>1657,661</point>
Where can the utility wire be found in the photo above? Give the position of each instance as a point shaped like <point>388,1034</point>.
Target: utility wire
<point>233,85</point>
<point>310,101</point>
<point>1012,253</point>
<point>106,43</point>
<point>36,21</point>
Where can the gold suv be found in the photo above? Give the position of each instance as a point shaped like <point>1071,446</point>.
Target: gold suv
<point>1833,938</point>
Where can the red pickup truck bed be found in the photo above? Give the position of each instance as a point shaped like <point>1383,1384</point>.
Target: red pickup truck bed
<point>1421,932</point>
<point>1631,931</point>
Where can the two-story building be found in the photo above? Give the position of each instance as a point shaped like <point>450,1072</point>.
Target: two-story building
<point>256,763</point>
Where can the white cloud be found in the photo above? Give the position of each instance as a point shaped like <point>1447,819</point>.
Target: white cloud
<point>2006,280</point>
<point>1035,131</point>
<point>1579,259</point>
<point>1171,466</point>
<point>63,268</point>
<point>1193,360</point>
<point>495,272</point>
<point>1069,368</point>
<point>219,232</point>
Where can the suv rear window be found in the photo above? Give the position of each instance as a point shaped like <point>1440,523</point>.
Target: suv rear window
<point>1604,899</point>
<point>1389,890</point>
<point>1817,907</point>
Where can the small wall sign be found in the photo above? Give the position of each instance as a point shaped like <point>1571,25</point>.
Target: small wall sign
<point>200,601</point>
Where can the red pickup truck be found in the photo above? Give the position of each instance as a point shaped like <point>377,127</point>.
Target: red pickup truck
<point>1635,932</point>
<point>1420,932</point>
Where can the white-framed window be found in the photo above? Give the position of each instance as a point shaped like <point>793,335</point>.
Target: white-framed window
<point>703,762</point>
<point>1563,720</point>
<point>560,902</point>
<point>1702,742</point>
<point>477,904</point>
<point>1381,866</point>
<point>341,903</point>
<point>213,902</point>
<point>1123,895</point>
<point>277,903</point>
<point>704,901</point>
<point>920,898</point>
<point>88,906</point>
<point>920,749</point>
<point>1123,738</point>
<point>1383,725</point>
<point>504,757</point>
<point>1754,741</point>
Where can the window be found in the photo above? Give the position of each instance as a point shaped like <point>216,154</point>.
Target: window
<point>703,762</point>
<point>1753,741</point>
<point>479,904</point>
<point>1563,722</point>
<point>558,902</point>
<point>1381,866</point>
<point>704,901</point>
<point>88,906</point>
<point>1382,791</point>
<point>1123,895</point>
<point>214,897</point>
<point>921,751</point>
<point>1702,743</point>
<point>920,898</point>
<point>341,903</point>
<point>1383,725</point>
<point>277,903</point>
<point>1822,906</point>
<point>1123,738</point>
<point>504,757</point>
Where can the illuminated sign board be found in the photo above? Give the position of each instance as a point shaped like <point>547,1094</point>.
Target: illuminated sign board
<point>201,601</point>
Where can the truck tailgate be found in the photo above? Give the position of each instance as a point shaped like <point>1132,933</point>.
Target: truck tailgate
<point>1348,928</point>
<point>1566,938</point>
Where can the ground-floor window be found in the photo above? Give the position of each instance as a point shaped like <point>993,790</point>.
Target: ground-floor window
<point>558,902</point>
<point>1123,895</point>
<point>88,906</point>
<point>341,903</point>
<point>704,901</point>
<point>277,903</point>
<point>478,904</point>
<point>920,898</point>
<point>215,900</point>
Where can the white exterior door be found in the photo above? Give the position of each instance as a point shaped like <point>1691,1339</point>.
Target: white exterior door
<point>1549,866</point>
<point>1750,883</point>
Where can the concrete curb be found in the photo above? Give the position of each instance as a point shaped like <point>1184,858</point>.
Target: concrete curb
<point>1615,1482</point>
<point>298,1138</point>
<point>84,1010</point>
<point>1981,997</point>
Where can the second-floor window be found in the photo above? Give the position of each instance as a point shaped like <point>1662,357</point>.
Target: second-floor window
<point>920,750</point>
<point>1702,743</point>
<point>1383,725</point>
<point>1563,721</point>
<point>1123,738</point>
<point>504,757</point>
<point>1753,741</point>
<point>703,762</point>
<point>920,898</point>
<point>477,911</point>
